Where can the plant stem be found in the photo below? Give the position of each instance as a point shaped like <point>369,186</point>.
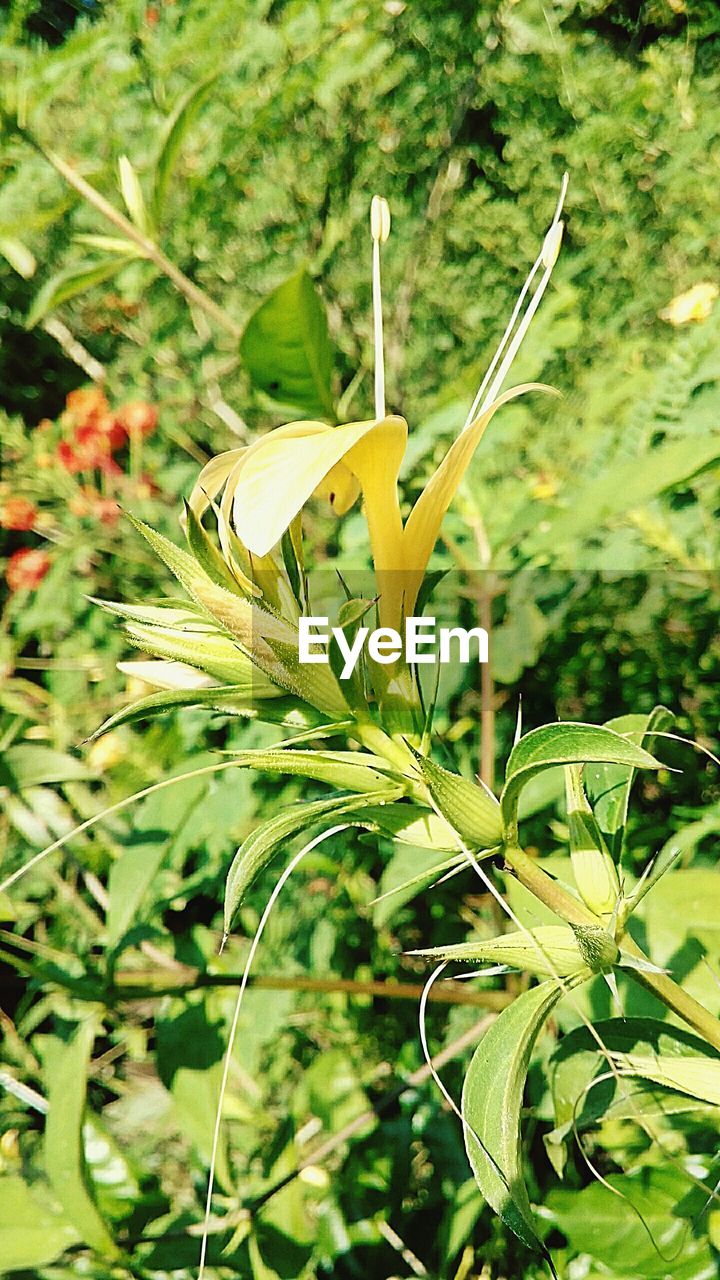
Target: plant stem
<point>140,986</point>
<point>150,250</point>
<point>554,896</point>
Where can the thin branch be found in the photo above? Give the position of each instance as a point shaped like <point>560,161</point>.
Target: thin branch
<point>74,349</point>
<point>149,249</point>
<point>134,986</point>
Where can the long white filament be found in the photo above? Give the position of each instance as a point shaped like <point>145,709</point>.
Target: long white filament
<point>325,835</point>
<point>547,258</point>
<point>379,231</point>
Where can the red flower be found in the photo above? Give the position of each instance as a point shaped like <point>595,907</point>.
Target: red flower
<point>26,569</point>
<point>18,513</point>
<point>107,511</point>
<point>68,458</point>
<point>138,418</point>
<point>86,403</point>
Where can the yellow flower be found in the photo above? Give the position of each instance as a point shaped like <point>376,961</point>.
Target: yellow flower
<point>694,305</point>
<point>267,485</point>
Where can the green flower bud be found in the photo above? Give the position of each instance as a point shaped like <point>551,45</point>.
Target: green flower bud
<point>599,951</point>
<point>549,950</point>
<point>472,811</point>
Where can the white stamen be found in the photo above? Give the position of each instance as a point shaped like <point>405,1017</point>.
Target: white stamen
<point>545,259</point>
<point>379,230</point>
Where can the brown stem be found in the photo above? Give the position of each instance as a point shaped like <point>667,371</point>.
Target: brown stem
<point>140,986</point>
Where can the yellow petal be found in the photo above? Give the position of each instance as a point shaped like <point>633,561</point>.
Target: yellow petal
<point>376,462</point>
<point>426,517</point>
<point>212,478</point>
<point>340,488</point>
<point>695,304</point>
<point>281,472</point>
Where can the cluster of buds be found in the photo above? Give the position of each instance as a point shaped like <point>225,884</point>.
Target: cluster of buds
<point>88,438</point>
<point>95,433</point>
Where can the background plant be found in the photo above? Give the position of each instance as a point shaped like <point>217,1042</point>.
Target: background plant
<point>472,134</point>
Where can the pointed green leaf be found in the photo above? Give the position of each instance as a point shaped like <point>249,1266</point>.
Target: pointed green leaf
<point>492,1103</point>
<point>210,559</point>
<point>261,846</point>
<point>565,743</point>
<point>229,700</point>
<point>287,351</point>
<point>609,785</point>
<point>549,949</point>
<point>71,282</point>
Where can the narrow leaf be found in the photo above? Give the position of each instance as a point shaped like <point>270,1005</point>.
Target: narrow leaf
<point>263,843</point>
<point>492,1103</point>
<point>174,133</point>
<point>131,192</point>
<point>71,282</point>
<point>66,1066</point>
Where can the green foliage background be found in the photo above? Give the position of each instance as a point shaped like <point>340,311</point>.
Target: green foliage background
<point>465,118</point>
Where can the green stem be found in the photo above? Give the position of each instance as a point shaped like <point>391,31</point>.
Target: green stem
<point>554,896</point>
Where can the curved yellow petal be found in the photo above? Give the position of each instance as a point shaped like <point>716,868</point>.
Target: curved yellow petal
<point>340,488</point>
<point>376,461</point>
<point>212,478</point>
<point>423,523</point>
<point>281,472</point>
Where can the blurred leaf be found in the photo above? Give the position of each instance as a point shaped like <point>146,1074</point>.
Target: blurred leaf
<point>190,1049</point>
<point>66,1066</point>
<point>69,283</point>
<point>32,764</point>
<point>287,351</point>
<point>157,826</point>
<point>624,486</point>
<point>31,1232</point>
<point>174,133</point>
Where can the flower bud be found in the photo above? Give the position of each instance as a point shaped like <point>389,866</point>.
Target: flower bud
<point>599,951</point>
<point>472,811</point>
<point>379,219</point>
<point>549,950</point>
